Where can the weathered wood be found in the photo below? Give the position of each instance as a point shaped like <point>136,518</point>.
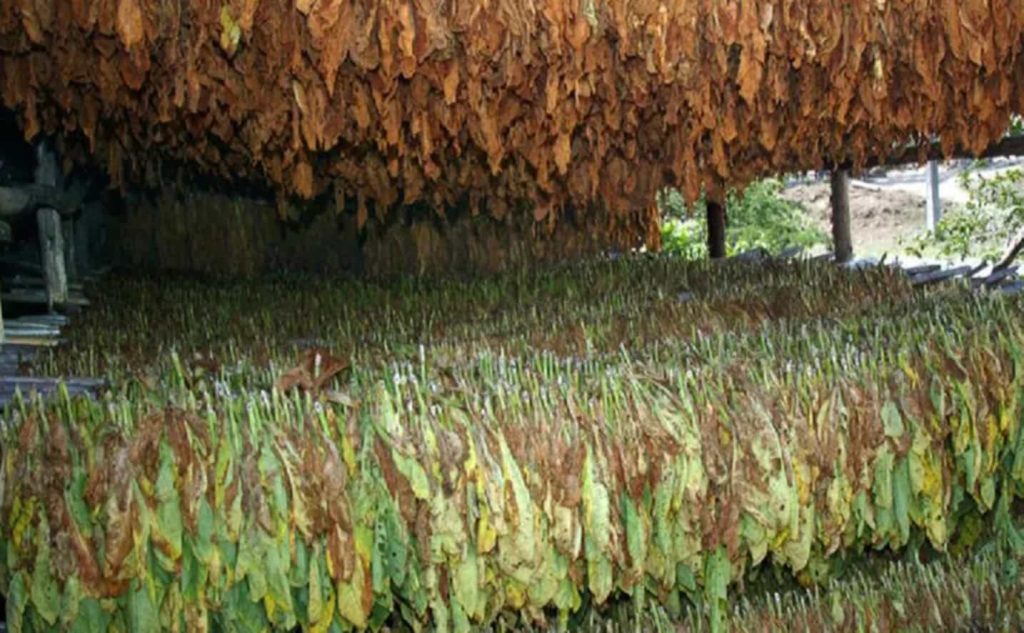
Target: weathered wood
<point>29,381</point>
<point>996,277</point>
<point>56,320</point>
<point>33,341</point>
<point>716,229</point>
<point>842,237</point>
<point>791,252</point>
<point>940,276</point>
<point>1010,146</point>
<point>1012,252</point>
<point>22,281</point>
<point>933,206</point>
<point>21,265</point>
<point>1012,288</point>
<point>16,326</point>
<point>51,245</point>
<point>21,198</point>
<point>922,270</point>
<point>39,297</point>
<point>67,227</point>
<point>753,255</point>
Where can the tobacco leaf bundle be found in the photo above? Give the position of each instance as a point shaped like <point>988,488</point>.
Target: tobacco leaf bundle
<point>536,109</point>
<point>446,497</point>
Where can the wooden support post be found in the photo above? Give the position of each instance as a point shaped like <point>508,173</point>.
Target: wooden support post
<point>842,238</point>
<point>67,227</point>
<point>51,245</point>
<point>51,235</point>
<point>934,206</point>
<point>716,229</point>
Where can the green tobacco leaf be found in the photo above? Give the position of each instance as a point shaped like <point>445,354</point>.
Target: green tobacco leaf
<point>597,531</point>
<point>143,616</point>
<point>46,595</point>
<point>518,550</point>
<point>17,599</point>
<point>74,497</point>
<point>717,576</point>
<point>70,600</point>
<point>414,474</point>
<point>350,597</point>
<point>892,421</point>
<point>168,514</point>
<point>466,583</point>
<point>902,499</point>
<point>91,617</point>
<point>636,534</point>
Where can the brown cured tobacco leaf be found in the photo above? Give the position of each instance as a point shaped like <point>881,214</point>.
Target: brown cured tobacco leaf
<point>129,22</point>
<point>539,113</point>
<point>316,368</point>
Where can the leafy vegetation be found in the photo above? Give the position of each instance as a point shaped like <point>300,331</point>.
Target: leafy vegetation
<point>535,449</point>
<point>992,216</point>
<point>982,592</point>
<point>758,218</point>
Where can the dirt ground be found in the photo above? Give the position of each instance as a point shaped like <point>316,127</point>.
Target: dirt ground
<point>887,207</point>
<point>880,217</point>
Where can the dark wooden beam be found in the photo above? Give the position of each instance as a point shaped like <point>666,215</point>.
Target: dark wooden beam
<point>15,199</point>
<point>1012,251</point>
<point>716,229</point>
<point>842,237</point>
<point>1010,146</point>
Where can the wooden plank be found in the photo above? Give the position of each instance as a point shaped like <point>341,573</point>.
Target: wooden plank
<point>33,341</point>
<point>33,332</point>
<point>42,319</point>
<point>940,276</point>
<point>922,270</point>
<point>753,255</point>
<point>32,325</point>
<point>38,297</point>
<point>16,199</point>
<point>1013,288</point>
<point>39,381</point>
<point>998,276</point>
<point>23,281</point>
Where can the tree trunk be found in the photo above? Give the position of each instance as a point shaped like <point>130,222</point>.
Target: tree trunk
<point>842,238</point>
<point>716,229</point>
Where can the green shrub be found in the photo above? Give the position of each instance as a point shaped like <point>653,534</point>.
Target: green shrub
<point>758,218</point>
<point>981,228</point>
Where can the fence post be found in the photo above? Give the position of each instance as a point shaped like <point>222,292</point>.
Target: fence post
<point>934,206</point>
